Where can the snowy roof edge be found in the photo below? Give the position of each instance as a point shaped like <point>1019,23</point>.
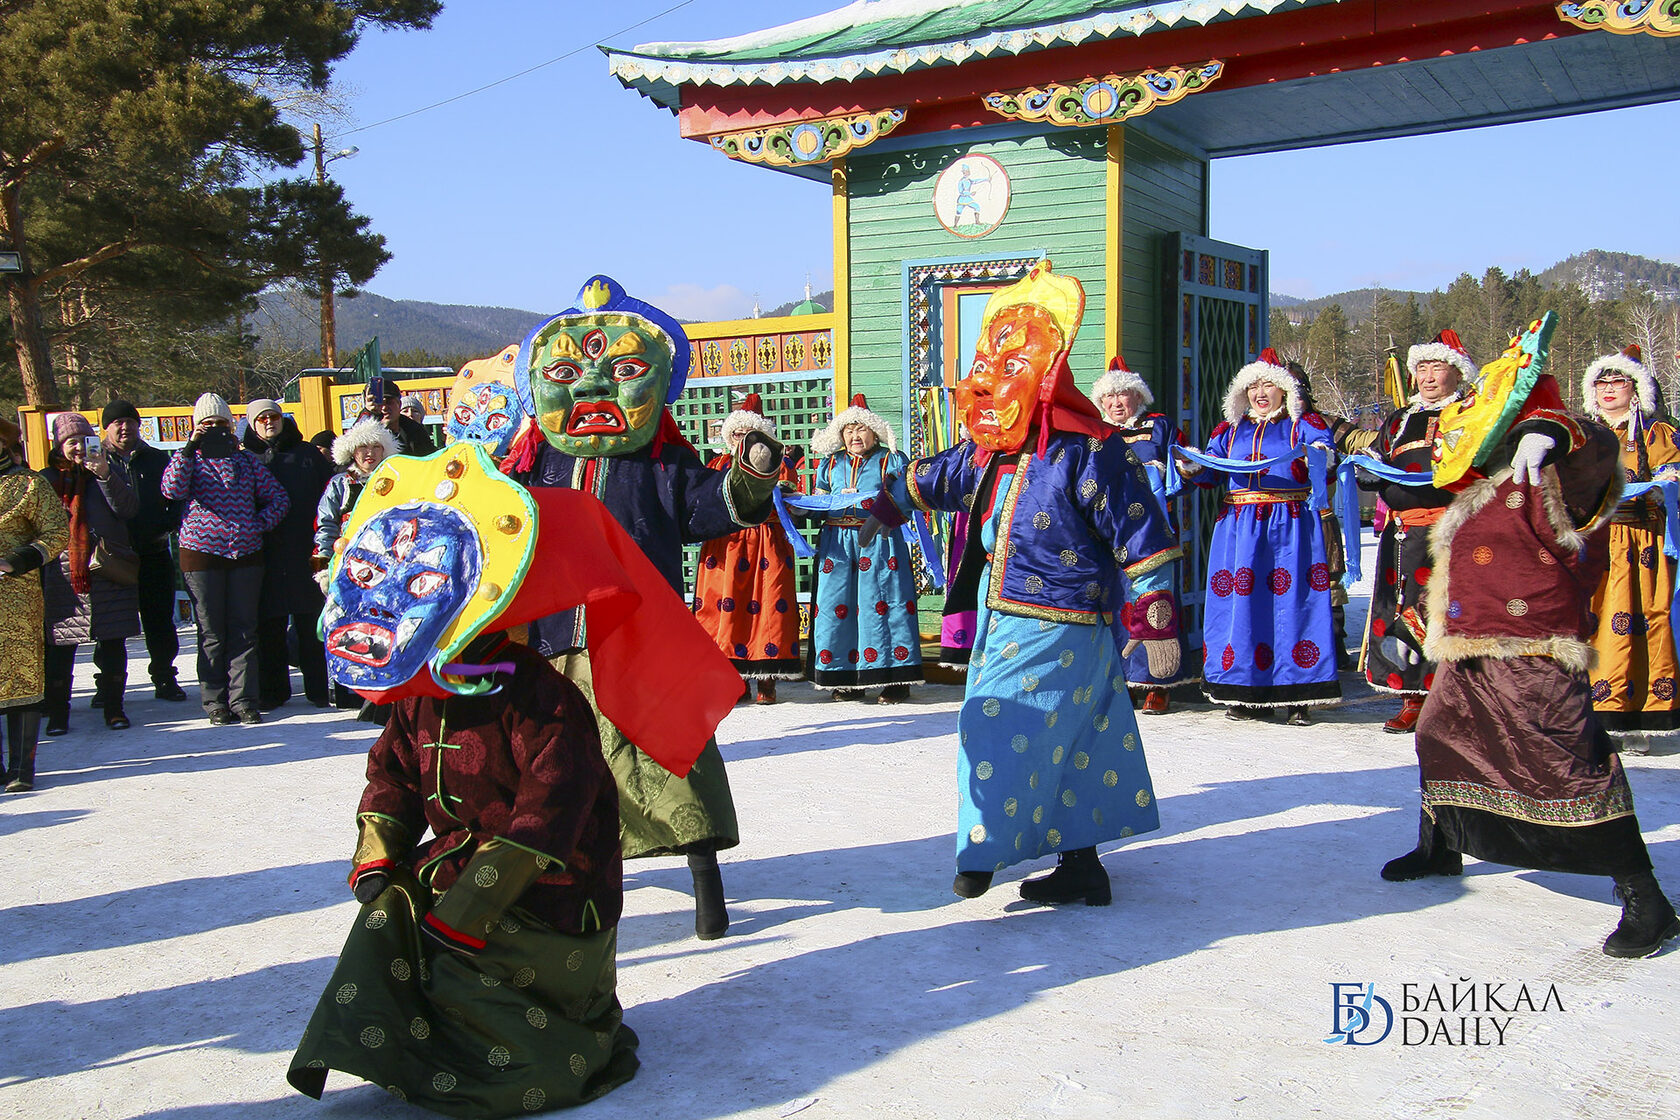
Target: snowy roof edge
<point>658,70</point>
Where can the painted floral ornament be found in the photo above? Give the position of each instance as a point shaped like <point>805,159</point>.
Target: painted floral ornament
<point>1471,429</point>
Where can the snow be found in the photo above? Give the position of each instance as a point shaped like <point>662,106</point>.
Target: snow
<point>176,899</point>
<point>854,15</point>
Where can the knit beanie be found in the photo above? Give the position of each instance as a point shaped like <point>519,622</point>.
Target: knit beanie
<point>69,425</point>
<point>211,406</point>
<point>261,405</point>
<point>118,410</point>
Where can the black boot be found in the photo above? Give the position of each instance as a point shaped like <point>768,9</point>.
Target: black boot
<point>1079,877</point>
<point>1648,918</point>
<point>972,884</point>
<point>22,729</point>
<point>1432,856</point>
<point>711,920</point>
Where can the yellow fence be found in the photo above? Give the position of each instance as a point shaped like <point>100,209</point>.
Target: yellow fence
<point>736,350</point>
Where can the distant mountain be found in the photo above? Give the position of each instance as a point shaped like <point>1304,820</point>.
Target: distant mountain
<point>457,332</point>
<point>1604,275</point>
<point>1356,304</point>
<point>290,320</point>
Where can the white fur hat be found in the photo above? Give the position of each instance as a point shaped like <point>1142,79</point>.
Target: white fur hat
<point>827,442</point>
<point>1446,348</point>
<point>1120,379</point>
<point>749,417</point>
<point>368,431</point>
<point>1270,368</point>
<point>1629,363</point>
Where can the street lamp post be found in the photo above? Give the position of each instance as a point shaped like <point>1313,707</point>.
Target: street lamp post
<point>329,325</point>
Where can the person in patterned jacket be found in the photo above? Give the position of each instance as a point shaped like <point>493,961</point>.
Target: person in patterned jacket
<point>231,501</point>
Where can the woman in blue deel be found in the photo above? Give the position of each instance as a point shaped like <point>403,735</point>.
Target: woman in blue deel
<point>1269,639</point>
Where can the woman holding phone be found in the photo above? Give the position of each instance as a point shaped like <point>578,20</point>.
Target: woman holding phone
<point>91,592</point>
<point>231,501</point>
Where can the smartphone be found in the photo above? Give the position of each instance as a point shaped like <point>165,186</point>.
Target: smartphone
<point>91,445</point>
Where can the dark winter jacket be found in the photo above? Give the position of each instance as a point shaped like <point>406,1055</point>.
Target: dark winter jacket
<point>158,517</point>
<point>413,437</point>
<point>108,610</point>
<point>288,579</point>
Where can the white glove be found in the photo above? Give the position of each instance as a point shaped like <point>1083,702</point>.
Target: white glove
<point>1163,655</point>
<point>1531,454</point>
<point>323,578</point>
<point>1185,467</point>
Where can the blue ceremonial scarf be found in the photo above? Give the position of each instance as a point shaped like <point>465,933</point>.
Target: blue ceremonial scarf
<point>829,503</point>
<point>1317,464</point>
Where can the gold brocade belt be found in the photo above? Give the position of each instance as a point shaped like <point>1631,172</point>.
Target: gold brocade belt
<point>1265,497</point>
<point>849,522</point>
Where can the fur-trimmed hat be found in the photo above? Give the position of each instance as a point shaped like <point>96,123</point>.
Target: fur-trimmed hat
<point>363,433</point>
<point>1630,363</point>
<point>1120,379</point>
<point>1270,368</point>
<point>827,442</point>
<point>748,418</point>
<point>1446,348</point>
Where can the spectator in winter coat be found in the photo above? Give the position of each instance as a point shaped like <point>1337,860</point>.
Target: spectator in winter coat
<point>359,452</point>
<point>289,592</point>
<point>149,533</point>
<point>90,593</point>
<point>232,500</point>
<point>33,532</point>
<point>384,400</point>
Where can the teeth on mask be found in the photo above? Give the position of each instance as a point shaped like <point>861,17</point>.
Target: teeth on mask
<point>405,631</point>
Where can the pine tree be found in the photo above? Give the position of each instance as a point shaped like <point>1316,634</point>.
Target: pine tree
<point>132,149</point>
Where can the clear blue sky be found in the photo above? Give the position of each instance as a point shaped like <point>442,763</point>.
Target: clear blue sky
<point>512,196</point>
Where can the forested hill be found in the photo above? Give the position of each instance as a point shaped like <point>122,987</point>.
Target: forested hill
<point>455,332</point>
<point>292,321</point>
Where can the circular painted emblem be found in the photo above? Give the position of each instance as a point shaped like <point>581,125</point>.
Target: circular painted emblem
<point>971,195</point>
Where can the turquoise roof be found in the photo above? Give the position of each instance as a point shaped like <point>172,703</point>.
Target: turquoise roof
<point>875,37</point>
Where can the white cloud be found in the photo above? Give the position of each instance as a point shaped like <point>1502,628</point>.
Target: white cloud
<point>700,304</point>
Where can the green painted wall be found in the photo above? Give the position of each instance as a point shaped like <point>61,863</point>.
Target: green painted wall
<point>1058,182</point>
<point>1165,191</point>
<point>1056,205</point>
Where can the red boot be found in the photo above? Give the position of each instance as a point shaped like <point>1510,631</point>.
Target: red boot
<point>1406,719</point>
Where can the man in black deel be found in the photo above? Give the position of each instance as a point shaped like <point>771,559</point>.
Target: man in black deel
<point>149,531</point>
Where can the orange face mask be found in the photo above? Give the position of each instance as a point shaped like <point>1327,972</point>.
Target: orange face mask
<point>999,396</point>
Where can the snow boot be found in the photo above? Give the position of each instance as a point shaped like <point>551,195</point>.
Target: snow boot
<point>1648,918</point>
<point>1405,720</point>
<point>894,694</point>
<point>1079,877</point>
<point>1432,856</point>
<point>711,919</point>
<point>971,884</point>
<point>22,731</point>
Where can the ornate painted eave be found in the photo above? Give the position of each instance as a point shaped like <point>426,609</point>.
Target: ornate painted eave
<point>1105,100</point>
<point>828,49</point>
<point>1625,17</point>
<point>802,143</point>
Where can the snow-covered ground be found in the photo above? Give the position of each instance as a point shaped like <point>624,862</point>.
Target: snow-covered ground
<point>174,901</point>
